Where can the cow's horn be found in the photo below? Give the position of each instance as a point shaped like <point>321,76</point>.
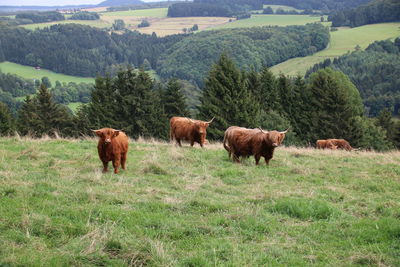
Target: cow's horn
<point>262,130</point>
<point>285,131</point>
<point>190,120</point>
<point>211,120</point>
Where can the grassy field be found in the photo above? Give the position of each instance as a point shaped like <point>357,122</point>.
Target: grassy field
<point>274,20</point>
<point>152,12</point>
<point>92,23</point>
<point>29,72</point>
<point>193,207</point>
<point>342,41</point>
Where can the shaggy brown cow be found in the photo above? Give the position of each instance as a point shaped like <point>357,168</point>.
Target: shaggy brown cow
<point>341,144</point>
<point>112,146</point>
<point>182,128</point>
<point>243,142</point>
<point>325,144</point>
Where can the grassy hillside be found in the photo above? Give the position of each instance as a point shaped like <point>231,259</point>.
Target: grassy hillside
<point>193,207</point>
<point>152,12</point>
<point>275,20</point>
<point>31,73</point>
<point>342,41</point>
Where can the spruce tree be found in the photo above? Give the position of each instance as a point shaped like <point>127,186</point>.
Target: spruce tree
<point>27,119</point>
<point>41,115</point>
<point>384,120</point>
<point>174,100</point>
<point>336,105</point>
<point>227,98</point>
<point>269,95</point>
<point>139,109</point>
<point>6,120</point>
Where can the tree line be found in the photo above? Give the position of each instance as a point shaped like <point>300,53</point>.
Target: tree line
<point>325,6</point>
<point>376,11</point>
<point>375,72</point>
<point>79,49</point>
<point>38,17</point>
<point>324,106</point>
<point>213,8</point>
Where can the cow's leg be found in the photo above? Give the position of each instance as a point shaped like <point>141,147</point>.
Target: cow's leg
<point>236,158</point>
<point>267,159</point>
<point>123,159</point>
<point>192,143</point>
<point>116,163</point>
<point>105,166</point>
<point>178,141</point>
<point>257,157</point>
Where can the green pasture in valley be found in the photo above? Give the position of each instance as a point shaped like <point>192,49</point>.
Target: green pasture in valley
<point>273,20</point>
<point>193,207</point>
<point>151,12</point>
<point>342,41</point>
<point>29,72</point>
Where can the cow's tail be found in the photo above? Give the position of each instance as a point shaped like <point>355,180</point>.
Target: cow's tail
<point>225,146</point>
<point>171,134</point>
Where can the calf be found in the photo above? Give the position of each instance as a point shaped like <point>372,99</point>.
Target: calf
<point>112,146</point>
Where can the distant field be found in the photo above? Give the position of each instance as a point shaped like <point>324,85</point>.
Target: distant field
<point>92,23</point>
<point>153,12</point>
<point>342,41</point>
<point>167,26</point>
<point>74,106</point>
<point>31,73</point>
<point>274,20</point>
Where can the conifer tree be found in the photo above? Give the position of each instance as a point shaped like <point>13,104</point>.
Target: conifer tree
<point>174,100</point>
<point>6,120</point>
<point>385,121</point>
<point>269,96</point>
<point>41,115</point>
<point>27,119</point>
<point>336,105</point>
<point>227,98</point>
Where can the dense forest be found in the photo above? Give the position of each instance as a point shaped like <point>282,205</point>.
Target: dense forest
<point>38,17</point>
<point>325,6</point>
<point>324,106</point>
<point>191,58</point>
<point>81,50</point>
<point>218,8</point>
<point>85,15</point>
<point>86,51</point>
<point>376,74</point>
<point>377,11</point>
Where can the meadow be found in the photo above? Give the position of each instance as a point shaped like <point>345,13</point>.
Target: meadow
<point>193,207</point>
<point>342,41</point>
<point>272,20</point>
<point>29,72</point>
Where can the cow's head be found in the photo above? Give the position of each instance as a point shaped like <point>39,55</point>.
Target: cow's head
<point>106,134</point>
<point>201,128</point>
<point>274,138</point>
<point>331,145</point>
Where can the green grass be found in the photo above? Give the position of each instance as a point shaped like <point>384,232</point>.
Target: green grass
<point>274,20</point>
<point>29,72</point>
<point>152,12</point>
<point>92,23</point>
<point>342,41</point>
<point>193,207</point>
<point>74,106</point>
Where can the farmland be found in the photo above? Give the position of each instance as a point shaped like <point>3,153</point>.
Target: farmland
<point>193,207</point>
<point>342,41</point>
<point>29,72</point>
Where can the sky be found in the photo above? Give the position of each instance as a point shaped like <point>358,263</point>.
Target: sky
<point>53,2</point>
